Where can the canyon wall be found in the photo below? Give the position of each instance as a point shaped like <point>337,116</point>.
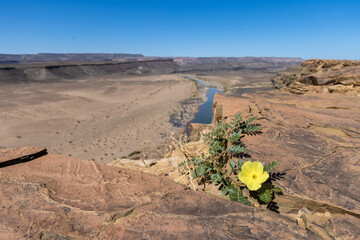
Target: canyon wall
<point>66,57</point>
<point>58,71</point>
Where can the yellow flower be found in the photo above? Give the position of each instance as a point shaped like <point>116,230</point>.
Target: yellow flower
<point>253,175</point>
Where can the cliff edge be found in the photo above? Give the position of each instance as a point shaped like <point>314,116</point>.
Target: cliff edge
<point>57,197</point>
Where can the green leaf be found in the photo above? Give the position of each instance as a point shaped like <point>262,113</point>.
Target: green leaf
<point>236,149</point>
<point>276,190</point>
<point>202,170</point>
<point>224,191</point>
<point>234,138</point>
<point>250,120</point>
<point>198,161</point>
<point>238,117</point>
<point>252,128</point>
<point>266,196</point>
<point>216,178</point>
<point>239,164</point>
<point>270,166</point>
<point>232,164</point>
<point>237,196</point>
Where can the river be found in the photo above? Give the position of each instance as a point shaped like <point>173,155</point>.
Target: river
<point>205,110</point>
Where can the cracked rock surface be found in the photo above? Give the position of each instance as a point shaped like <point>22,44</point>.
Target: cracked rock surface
<point>57,197</point>
<point>317,139</point>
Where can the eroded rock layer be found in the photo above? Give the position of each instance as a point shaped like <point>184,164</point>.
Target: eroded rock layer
<point>59,71</point>
<point>318,75</point>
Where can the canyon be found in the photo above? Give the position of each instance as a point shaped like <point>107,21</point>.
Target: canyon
<point>313,130</point>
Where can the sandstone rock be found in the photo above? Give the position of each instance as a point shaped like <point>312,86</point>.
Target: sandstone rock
<point>342,76</point>
<point>159,167</point>
<point>168,166</point>
<point>317,140</point>
<point>286,77</point>
<point>57,197</point>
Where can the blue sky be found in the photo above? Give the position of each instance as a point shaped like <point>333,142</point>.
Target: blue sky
<point>291,28</point>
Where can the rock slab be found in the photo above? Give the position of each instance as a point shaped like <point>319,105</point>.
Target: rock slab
<point>317,139</point>
<point>57,197</point>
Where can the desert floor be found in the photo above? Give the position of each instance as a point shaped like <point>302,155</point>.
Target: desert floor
<point>99,119</point>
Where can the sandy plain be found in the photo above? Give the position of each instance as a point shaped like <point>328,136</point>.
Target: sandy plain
<point>99,119</point>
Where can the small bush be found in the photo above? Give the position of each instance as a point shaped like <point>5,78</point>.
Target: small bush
<point>228,166</point>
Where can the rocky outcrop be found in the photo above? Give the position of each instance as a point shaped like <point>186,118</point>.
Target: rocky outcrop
<point>317,140</point>
<point>59,71</point>
<point>286,77</point>
<point>57,197</point>
<point>319,75</point>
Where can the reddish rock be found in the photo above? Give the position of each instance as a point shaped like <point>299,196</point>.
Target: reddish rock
<point>318,75</point>
<point>317,140</point>
<point>330,72</point>
<point>57,197</point>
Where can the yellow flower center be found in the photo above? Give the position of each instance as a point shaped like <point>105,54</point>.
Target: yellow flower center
<point>254,177</point>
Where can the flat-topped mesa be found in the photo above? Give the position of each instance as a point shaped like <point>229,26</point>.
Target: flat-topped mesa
<point>75,70</point>
<point>65,57</point>
<point>319,75</point>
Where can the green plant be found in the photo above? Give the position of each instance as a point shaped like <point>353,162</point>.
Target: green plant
<point>223,164</point>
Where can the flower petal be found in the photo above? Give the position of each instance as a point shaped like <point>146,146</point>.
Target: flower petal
<point>253,185</point>
<point>246,167</point>
<point>244,177</point>
<point>263,177</point>
<point>258,168</point>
